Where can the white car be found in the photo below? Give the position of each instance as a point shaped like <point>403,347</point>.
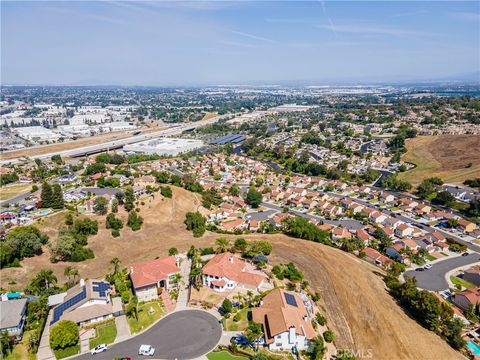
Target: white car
<point>147,350</point>
<point>428,266</point>
<point>99,348</point>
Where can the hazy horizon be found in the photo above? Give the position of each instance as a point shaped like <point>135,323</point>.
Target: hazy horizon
<point>226,43</point>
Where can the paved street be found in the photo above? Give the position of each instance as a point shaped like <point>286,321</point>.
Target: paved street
<point>184,334</point>
<point>434,278</point>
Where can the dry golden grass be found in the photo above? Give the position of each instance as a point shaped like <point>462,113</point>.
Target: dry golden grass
<point>9,191</point>
<point>445,156</point>
<point>360,310</point>
<point>209,115</point>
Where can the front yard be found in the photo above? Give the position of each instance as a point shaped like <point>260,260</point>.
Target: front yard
<point>148,313</point>
<point>460,282</point>
<point>223,355</point>
<point>70,351</point>
<point>241,323</point>
<point>106,334</point>
<point>20,350</point>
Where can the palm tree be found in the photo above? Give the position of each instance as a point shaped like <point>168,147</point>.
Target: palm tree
<point>195,275</point>
<point>116,264</point>
<point>222,244</point>
<point>75,273</point>
<point>176,278</point>
<point>45,278</point>
<point>67,272</point>
<point>135,303</point>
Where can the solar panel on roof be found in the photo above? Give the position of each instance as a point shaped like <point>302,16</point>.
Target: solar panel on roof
<point>60,309</point>
<point>290,299</point>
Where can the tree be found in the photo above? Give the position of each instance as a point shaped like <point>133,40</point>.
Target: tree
<point>120,196</point>
<point>63,335</point>
<point>444,198</point>
<point>134,221</point>
<point>46,196</point>
<point>234,190</point>
<point>67,272</point>
<point>222,245</point>
<point>42,282</point>
<point>114,206</point>
<point>22,241</point>
<point>258,247</point>
<point>172,251</point>
<point>166,191</point>
<point>195,222</point>
<point>57,197</point>
<point>113,223</point>
<point>57,159</point>
<point>115,262</point>
<point>253,197</point>
<point>429,187</point>
<point>100,205</point>
<point>316,349</point>
<point>328,336</point>
<point>69,219</point>
<point>240,244</point>
<point>253,332</point>
<point>227,306</point>
<point>129,199</point>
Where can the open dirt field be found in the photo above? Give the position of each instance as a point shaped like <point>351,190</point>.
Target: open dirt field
<point>9,191</point>
<point>445,156</point>
<point>364,317</point>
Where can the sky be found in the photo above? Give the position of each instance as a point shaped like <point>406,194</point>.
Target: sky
<point>159,43</point>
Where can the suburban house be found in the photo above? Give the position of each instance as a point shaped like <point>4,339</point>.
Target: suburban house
<point>13,317</point>
<point>466,298</point>
<point>472,275</point>
<point>466,226</point>
<point>285,320</point>
<point>374,257</point>
<point>227,271</point>
<point>149,278</point>
<point>85,303</point>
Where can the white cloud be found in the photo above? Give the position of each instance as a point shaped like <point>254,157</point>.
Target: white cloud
<point>254,37</point>
<point>466,16</point>
<point>369,29</point>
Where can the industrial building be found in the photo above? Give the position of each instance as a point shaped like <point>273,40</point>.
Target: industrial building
<point>36,133</point>
<point>164,146</point>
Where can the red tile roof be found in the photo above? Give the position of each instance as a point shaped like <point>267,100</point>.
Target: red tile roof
<point>150,272</point>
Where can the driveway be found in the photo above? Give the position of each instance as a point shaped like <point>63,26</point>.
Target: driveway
<point>434,279</point>
<point>186,334</point>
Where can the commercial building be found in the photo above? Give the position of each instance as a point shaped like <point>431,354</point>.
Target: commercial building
<point>36,133</point>
<point>164,146</point>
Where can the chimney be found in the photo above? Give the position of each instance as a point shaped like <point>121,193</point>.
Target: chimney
<point>82,282</point>
<point>231,259</point>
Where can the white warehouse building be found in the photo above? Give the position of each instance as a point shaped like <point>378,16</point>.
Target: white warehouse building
<point>164,146</point>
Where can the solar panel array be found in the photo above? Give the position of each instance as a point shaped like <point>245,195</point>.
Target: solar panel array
<point>233,138</point>
<point>60,309</point>
<point>290,299</point>
<point>101,287</point>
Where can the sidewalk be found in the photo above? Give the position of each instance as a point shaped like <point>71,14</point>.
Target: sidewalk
<point>44,352</point>
<point>182,301</point>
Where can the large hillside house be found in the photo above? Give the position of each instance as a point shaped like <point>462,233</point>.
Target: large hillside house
<point>150,278</point>
<point>226,271</point>
<point>285,320</point>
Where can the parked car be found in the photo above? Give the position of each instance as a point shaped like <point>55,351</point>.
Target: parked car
<point>239,340</point>
<point>147,350</point>
<point>420,269</point>
<point>99,348</point>
<point>465,254</point>
<point>428,266</point>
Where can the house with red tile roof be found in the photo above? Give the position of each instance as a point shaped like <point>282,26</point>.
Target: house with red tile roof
<point>465,298</point>
<point>149,278</point>
<point>224,272</point>
<point>375,258</point>
<point>285,320</point>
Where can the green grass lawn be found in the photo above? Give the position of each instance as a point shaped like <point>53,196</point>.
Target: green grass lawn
<point>106,334</point>
<point>223,355</point>
<point>430,257</point>
<point>457,281</point>
<point>145,318</point>
<point>60,354</point>
<point>239,325</point>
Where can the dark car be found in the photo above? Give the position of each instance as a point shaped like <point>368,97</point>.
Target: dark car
<point>239,340</point>
<point>420,269</point>
<point>465,254</point>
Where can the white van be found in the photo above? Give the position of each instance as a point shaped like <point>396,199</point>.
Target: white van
<point>147,350</point>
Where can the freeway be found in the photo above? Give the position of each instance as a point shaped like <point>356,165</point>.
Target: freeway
<point>109,145</point>
<point>434,278</point>
<point>186,334</point>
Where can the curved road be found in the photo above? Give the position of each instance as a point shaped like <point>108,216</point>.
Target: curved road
<point>184,334</point>
<point>434,278</point>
